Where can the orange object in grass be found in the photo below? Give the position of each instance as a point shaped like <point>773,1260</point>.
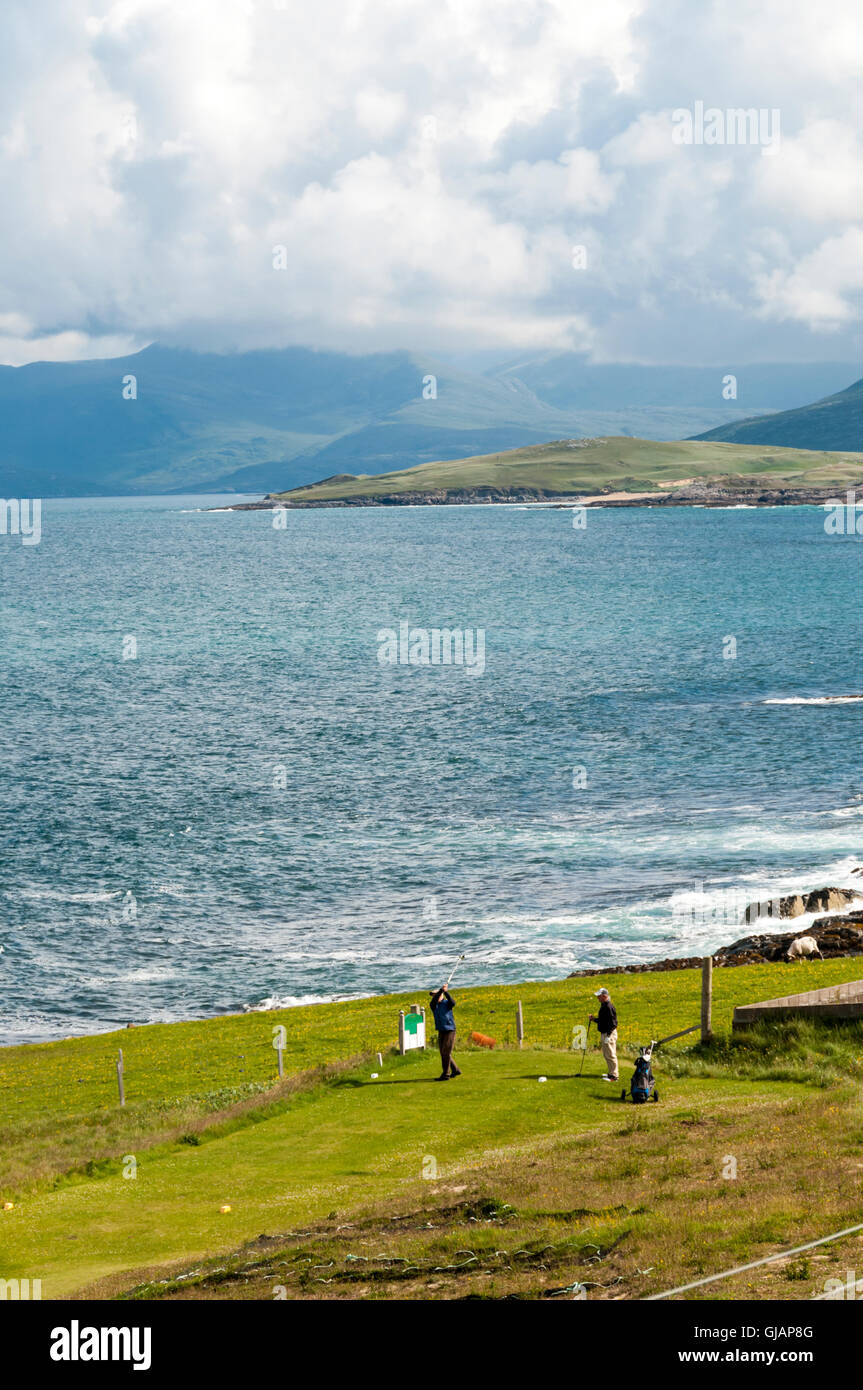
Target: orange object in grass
<point>481,1040</point>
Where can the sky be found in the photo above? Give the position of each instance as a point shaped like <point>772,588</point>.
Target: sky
<point>454,177</point>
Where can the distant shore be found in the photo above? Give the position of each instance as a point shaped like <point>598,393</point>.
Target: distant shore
<point>696,494</point>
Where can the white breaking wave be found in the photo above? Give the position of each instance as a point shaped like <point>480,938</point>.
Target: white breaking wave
<point>817,700</point>
<point>296,1001</point>
<point>63,896</point>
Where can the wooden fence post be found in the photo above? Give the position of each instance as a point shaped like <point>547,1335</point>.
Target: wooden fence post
<point>519,1024</point>
<point>706,998</point>
<point>120,1086</point>
<point>402,1032</point>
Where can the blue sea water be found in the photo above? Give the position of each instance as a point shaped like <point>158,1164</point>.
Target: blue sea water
<point>253,810</point>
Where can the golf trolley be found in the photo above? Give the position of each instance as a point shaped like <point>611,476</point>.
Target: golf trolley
<point>642,1087</point>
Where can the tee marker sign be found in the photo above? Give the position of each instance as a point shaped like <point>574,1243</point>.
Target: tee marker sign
<point>412,1029</point>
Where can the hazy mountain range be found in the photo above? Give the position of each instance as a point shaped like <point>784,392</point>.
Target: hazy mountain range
<point>266,421</point>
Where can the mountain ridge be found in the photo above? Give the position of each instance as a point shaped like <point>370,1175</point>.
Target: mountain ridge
<point>834,422</point>
<point>278,418</point>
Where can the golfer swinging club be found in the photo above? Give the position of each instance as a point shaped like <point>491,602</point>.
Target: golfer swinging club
<point>442,1005</point>
<point>606,1022</point>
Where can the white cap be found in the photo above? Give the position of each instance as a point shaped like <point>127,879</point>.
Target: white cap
<point>599,992</point>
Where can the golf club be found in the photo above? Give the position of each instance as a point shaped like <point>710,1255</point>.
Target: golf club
<point>459,959</point>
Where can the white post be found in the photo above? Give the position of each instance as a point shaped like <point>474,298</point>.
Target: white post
<point>281,1062</point>
<point>120,1087</point>
<point>519,1024</point>
<point>402,1032</point>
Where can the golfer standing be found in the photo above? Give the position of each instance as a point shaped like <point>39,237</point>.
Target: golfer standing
<point>606,1022</point>
<point>442,1005</point>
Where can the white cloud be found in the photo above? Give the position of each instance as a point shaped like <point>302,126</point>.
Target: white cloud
<point>428,170</point>
<point>823,289</point>
<point>817,177</point>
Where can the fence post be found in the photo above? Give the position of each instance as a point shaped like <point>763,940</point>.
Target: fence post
<point>706,998</point>
<point>402,1032</point>
<point>519,1024</point>
<point>120,1086</point>
<point>281,1062</point>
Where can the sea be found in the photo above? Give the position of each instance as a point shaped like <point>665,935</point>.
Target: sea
<point>224,787</point>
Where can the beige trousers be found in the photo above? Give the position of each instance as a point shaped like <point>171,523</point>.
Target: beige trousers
<point>608,1043</point>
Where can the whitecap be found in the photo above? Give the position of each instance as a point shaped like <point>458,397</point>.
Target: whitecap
<point>817,700</point>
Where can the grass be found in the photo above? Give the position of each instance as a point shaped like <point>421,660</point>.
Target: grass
<point>329,1152</point>
<point>631,464</point>
<point>348,1143</point>
<point>636,1209</point>
<point>58,1101</point>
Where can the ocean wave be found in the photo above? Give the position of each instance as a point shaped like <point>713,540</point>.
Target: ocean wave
<point>56,895</point>
<point>816,700</point>
<point>298,1001</point>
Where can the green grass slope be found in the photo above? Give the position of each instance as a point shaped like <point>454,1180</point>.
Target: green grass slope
<point>570,467</point>
<point>209,1124</point>
<point>352,1143</point>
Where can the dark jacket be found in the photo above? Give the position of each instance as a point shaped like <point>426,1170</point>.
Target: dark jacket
<point>606,1019</point>
<point>442,1005</point>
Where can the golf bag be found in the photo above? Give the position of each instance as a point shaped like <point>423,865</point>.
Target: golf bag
<point>642,1087</point>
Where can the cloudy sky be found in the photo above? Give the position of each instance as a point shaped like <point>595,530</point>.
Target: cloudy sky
<point>372,174</point>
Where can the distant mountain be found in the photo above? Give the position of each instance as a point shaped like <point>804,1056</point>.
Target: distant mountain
<point>835,423</point>
<point>266,421</point>
<point>760,386</point>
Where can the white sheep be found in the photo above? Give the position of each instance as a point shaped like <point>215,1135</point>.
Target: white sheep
<point>804,946</point>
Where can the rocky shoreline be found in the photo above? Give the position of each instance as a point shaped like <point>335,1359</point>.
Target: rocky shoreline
<point>437,497</point>
<point>721,495</point>
<point>696,494</point>
<point>836,936</point>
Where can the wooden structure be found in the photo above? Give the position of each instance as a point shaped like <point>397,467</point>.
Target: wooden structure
<point>836,1001</point>
<point>707,999</point>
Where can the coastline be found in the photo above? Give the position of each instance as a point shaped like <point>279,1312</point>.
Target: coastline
<point>839,936</point>
<point>708,495</point>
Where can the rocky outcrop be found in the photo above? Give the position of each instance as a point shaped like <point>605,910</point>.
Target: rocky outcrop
<point>836,936</point>
<point>795,904</point>
<point>435,497</point>
<point>727,493</point>
<point>681,963</point>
